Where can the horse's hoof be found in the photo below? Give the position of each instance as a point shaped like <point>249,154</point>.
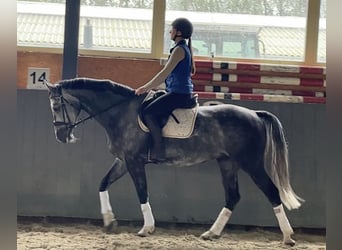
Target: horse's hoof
<point>146,231</point>
<point>289,242</point>
<point>110,224</point>
<point>112,227</point>
<point>209,235</point>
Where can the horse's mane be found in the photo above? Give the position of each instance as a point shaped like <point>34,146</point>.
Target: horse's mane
<point>97,85</point>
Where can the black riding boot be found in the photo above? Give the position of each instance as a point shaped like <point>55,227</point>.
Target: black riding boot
<point>158,147</point>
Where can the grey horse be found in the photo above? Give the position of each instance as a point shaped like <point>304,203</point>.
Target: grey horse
<point>234,136</point>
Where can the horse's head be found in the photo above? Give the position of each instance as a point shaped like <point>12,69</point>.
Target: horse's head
<point>65,110</point>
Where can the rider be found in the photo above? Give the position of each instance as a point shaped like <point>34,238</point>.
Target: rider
<point>177,77</point>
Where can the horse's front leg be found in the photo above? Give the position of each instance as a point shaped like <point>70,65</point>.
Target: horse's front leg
<point>117,170</point>
<point>138,174</point>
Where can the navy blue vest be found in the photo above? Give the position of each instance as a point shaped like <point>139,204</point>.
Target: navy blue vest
<point>179,81</point>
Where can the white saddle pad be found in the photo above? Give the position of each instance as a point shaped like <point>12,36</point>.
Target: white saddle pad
<point>172,129</point>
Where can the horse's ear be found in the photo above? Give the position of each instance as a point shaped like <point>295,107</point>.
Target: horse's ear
<point>49,85</point>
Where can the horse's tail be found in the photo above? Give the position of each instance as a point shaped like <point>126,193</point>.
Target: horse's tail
<point>276,160</point>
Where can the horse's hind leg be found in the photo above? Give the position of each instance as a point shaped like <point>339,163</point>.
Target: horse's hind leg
<point>263,181</point>
<point>117,170</point>
<point>232,196</point>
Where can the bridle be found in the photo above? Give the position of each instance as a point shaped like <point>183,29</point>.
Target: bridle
<point>67,122</point>
<point>66,117</point>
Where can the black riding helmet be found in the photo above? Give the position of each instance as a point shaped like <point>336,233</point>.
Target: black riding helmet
<point>183,25</point>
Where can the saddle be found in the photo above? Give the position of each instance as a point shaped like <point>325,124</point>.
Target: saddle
<point>179,124</point>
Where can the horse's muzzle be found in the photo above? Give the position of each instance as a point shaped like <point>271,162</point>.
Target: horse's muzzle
<point>65,135</point>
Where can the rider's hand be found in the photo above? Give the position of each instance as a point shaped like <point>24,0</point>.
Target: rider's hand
<point>140,90</point>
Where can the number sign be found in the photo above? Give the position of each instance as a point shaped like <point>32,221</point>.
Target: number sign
<point>36,76</point>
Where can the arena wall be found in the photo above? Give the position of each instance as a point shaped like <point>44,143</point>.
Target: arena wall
<point>62,179</point>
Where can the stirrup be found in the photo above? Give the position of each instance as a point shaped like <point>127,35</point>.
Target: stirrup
<point>155,159</point>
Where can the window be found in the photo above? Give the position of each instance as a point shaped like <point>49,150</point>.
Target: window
<point>40,24</point>
<point>124,26</point>
<point>272,30</point>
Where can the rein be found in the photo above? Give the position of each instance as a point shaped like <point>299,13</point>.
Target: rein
<point>69,124</point>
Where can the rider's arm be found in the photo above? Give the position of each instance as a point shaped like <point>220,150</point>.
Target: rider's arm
<point>177,55</point>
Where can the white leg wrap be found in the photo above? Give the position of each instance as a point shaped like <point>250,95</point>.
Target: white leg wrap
<point>105,203</point>
<point>221,221</point>
<point>147,213</point>
<point>284,224</point>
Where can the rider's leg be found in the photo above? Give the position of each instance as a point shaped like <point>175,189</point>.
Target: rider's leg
<point>161,107</point>
<point>158,147</point>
